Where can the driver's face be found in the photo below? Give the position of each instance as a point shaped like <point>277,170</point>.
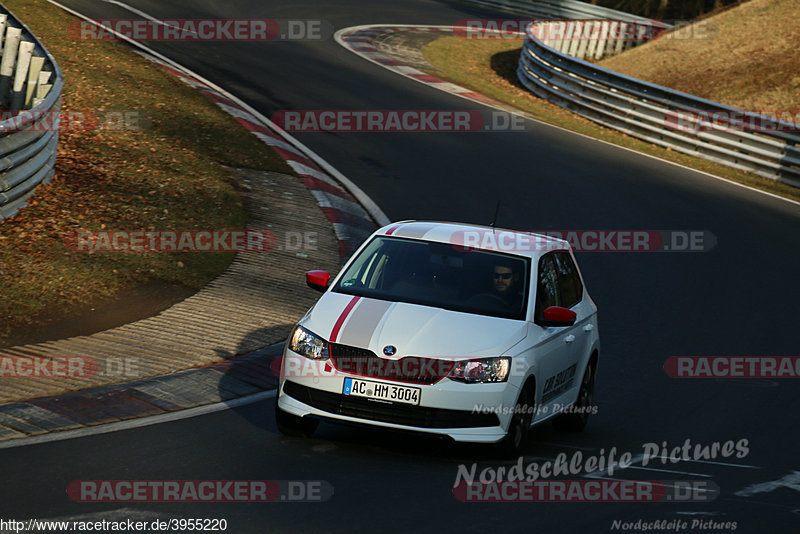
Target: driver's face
<point>503,278</point>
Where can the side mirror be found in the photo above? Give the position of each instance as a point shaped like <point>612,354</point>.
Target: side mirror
<point>318,280</point>
<point>557,316</point>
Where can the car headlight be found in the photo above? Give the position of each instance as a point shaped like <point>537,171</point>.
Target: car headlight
<point>308,344</point>
<point>483,370</point>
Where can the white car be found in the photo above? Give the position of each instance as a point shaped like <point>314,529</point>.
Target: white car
<point>472,332</point>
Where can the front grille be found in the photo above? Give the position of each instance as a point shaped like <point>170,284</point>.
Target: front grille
<point>399,414</point>
<point>363,362</point>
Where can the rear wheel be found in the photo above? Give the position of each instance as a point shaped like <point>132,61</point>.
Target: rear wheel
<point>294,426</point>
<point>576,420</point>
<point>511,445</point>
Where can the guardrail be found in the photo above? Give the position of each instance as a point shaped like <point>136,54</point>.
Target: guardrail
<point>30,99</point>
<point>590,31</point>
<point>552,66</point>
<point>598,39</point>
<point>743,140</point>
<point>556,9</point>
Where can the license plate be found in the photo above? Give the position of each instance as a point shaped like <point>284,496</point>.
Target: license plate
<point>378,390</point>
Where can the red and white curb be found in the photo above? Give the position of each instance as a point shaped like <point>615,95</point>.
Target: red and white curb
<point>351,222</point>
<point>360,40</point>
<point>353,214</point>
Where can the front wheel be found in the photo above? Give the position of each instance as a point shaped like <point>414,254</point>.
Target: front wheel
<point>294,426</point>
<point>511,445</point>
<point>576,420</point>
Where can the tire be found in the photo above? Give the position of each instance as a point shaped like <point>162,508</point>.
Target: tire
<point>294,426</point>
<point>576,422</point>
<point>511,445</point>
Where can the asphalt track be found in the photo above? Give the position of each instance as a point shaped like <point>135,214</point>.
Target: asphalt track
<point>738,299</point>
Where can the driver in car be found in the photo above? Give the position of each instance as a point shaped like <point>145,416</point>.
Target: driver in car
<point>505,282</point>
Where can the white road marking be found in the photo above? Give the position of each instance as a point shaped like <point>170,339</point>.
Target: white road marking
<point>792,481</point>
<point>145,15</point>
<point>663,483</point>
<point>236,112</point>
<point>301,168</point>
<point>328,200</point>
<point>371,207</point>
<point>529,459</point>
<point>340,35</point>
<point>560,445</point>
<point>668,471</point>
<point>137,423</point>
<point>714,463</point>
<point>274,141</point>
<point>598,473</point>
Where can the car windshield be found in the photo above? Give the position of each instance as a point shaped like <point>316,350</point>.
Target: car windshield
<point>440,275</point>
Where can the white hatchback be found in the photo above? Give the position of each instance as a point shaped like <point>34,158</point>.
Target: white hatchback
<point>472,332</point>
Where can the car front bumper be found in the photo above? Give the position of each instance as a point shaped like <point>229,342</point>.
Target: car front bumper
<point>464,412</point>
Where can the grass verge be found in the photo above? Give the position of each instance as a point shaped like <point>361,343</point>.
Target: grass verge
<point>166,175</point>
<point>489,67</point>
<point>745,57</point>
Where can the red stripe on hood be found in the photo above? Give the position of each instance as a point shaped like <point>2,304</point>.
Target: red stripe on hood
<point>393,229</point>
<point>342,317</point>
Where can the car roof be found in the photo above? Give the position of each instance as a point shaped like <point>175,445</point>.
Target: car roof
<point>527,244</point>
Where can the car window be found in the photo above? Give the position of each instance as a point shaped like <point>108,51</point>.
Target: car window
<point>570,289</point>
<point>440,275</point>
<point>547,293</point>
<point>558,284</point>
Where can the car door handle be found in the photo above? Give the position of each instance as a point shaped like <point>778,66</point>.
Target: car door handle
<point>569,339</point>
<point>588,328</point>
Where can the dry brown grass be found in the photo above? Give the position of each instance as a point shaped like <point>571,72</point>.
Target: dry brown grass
<point>168,175</point>
<point>489,67</point>
<point>752,62</point>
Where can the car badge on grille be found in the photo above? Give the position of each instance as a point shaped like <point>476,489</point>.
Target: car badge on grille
<point>389,350</point>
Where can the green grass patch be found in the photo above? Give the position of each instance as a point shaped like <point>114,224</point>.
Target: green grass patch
<point>167,175</point>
